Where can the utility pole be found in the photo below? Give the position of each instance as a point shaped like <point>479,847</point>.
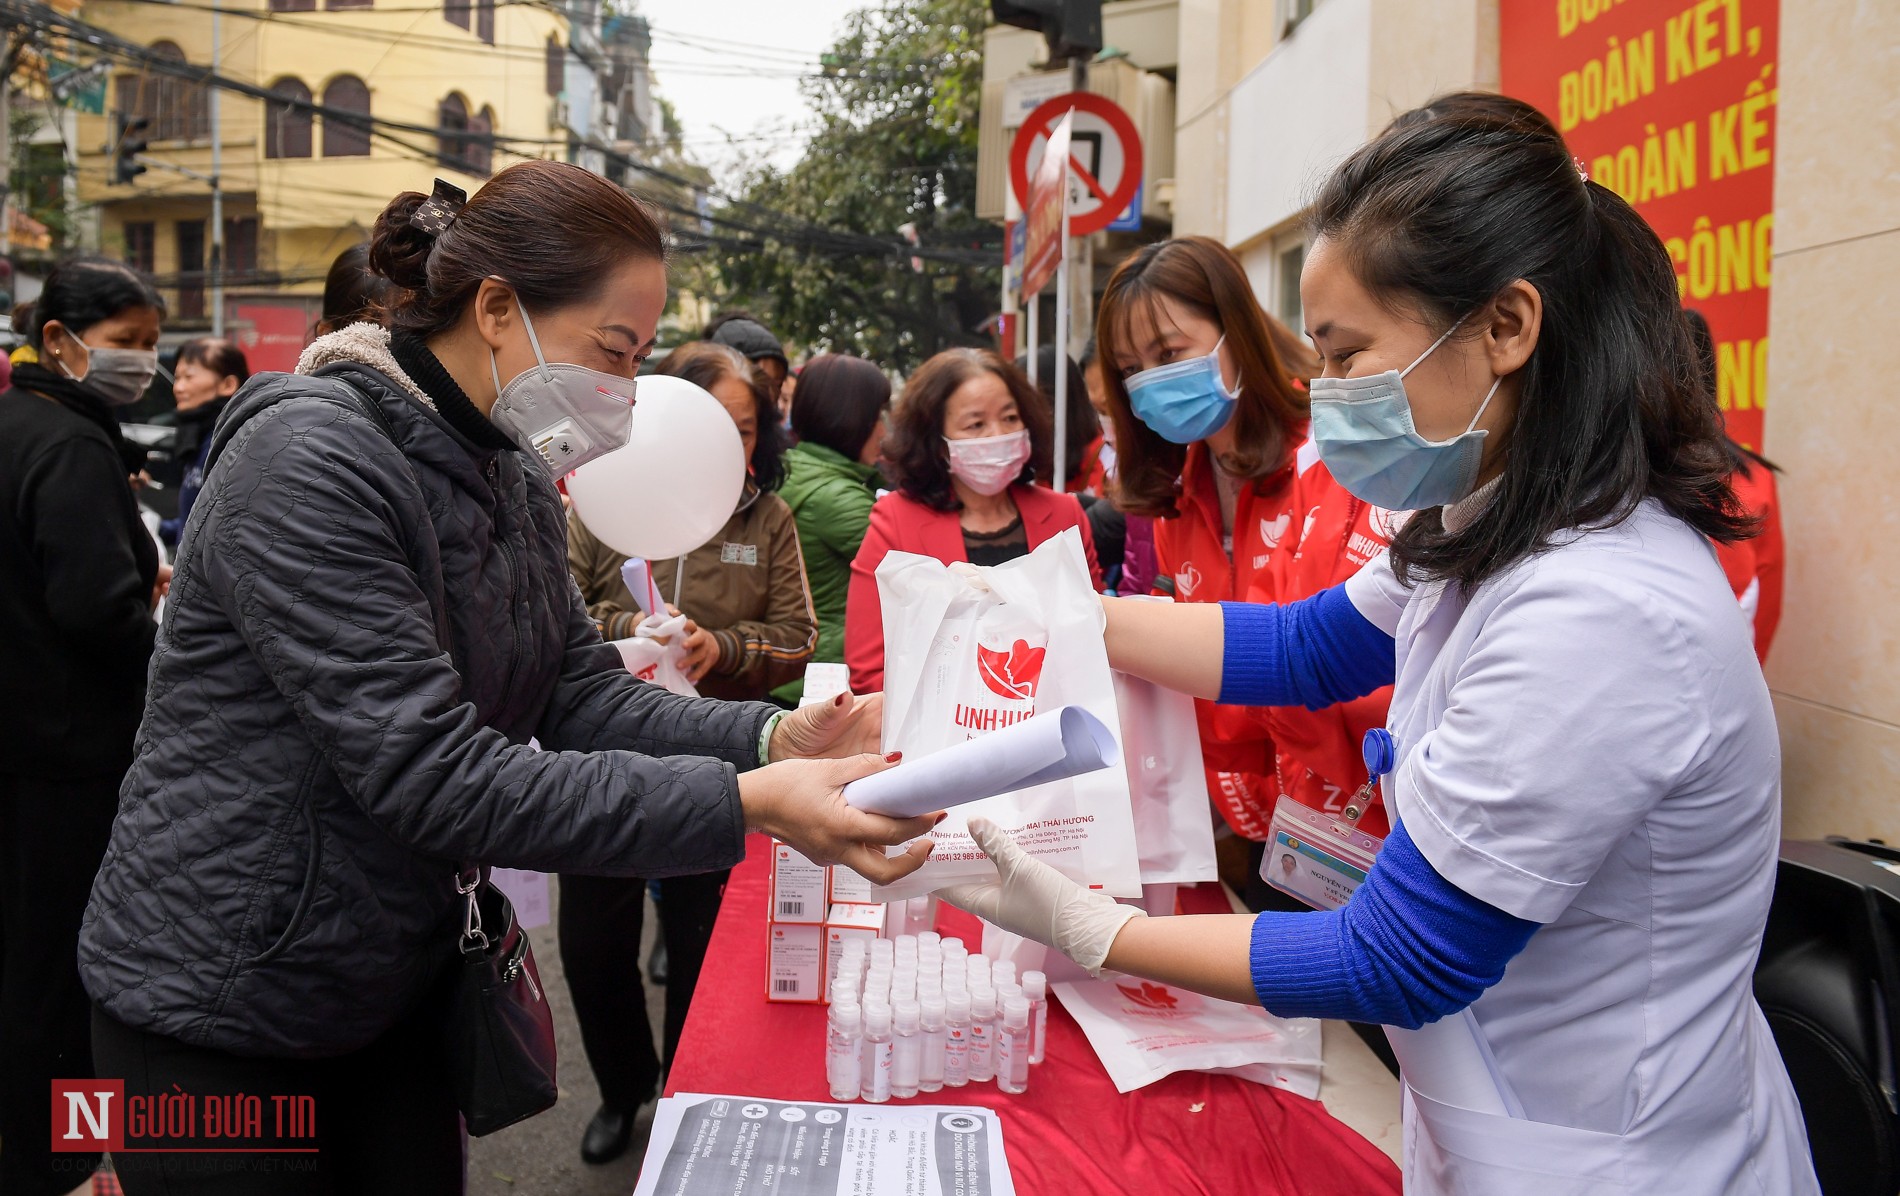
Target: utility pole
<point>217,177</point>
<point>1073,31</point>
<point>1082,249</point>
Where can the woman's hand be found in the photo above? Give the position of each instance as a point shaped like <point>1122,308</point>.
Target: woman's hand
<point>1034,900</point>
<point>701,652</point>
<point>844,726</point>
<point>162,584</point>
<point>802,802</point>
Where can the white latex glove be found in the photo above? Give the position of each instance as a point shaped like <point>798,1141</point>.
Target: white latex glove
<point>1034,900</point>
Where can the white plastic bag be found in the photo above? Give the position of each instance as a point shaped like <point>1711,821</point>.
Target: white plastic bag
<point>527,891</point>
<point>1161,744</point>
<point>1142,1031</point>
<point>968,651</point>
<point>654,652</point>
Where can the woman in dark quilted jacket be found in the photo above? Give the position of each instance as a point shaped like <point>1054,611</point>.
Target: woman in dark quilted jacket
<point>370,624</point>
<point>78,577</point>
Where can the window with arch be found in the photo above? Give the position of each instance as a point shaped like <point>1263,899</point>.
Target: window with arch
<point>179,109</point>
<point>451,119</point>
<point>557,67</point>
<point>480,152</point>
<point>485,20</point>
<point>346,118</point>
<point>287,120</point>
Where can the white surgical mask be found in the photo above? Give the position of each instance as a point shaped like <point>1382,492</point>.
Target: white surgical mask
<point>567,414</point>
<point>117,377</point>
<point>988,464</point>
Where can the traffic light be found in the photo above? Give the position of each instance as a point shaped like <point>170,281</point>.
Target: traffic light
<point>128,142</point>
<point>1073,28</point>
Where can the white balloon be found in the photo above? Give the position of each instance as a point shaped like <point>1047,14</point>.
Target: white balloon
<point>674,484</point>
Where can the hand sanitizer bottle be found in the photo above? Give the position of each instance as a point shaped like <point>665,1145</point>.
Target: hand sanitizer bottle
<point>876,1076</point>
<point>956,1043</point>
<point>1036,988</point>
<point>982,1034</point>
<point>907,1046</point>
<point>841,1051</point>
<point>1012,1054</point>
<point>930,1066</point>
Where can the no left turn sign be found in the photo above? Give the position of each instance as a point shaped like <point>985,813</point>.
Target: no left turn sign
<point>1104,157</point>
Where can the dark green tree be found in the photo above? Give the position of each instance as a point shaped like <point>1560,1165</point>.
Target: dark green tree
<point>896,144</point>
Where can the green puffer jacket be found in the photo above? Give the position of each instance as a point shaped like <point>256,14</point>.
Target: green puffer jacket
<point>830,496</point>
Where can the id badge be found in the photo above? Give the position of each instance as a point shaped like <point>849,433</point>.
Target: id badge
<point>1315,856</point>
<point>1322,858</point>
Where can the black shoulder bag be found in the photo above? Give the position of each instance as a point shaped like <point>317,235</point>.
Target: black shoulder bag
<point>499,1033</point>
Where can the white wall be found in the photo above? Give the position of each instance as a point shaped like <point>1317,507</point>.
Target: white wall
<point>1302,110</point>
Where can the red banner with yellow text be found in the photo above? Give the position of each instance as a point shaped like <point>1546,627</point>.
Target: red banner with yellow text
<point>1671,104</point>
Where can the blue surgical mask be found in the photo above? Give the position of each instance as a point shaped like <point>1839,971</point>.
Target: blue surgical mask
<point>1363,430</point>
<point>1183,401</point>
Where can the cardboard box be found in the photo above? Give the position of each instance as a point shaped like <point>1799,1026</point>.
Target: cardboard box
<point>824,682</point>
<point>795,966</point>
<point>800,889</point>
<point>846,921</point>
<point>848,887</point>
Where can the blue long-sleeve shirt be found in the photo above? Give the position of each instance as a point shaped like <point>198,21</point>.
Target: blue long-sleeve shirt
<point>1410,947</point>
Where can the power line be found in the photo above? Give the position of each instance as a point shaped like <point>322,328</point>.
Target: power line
<point>763,221</point>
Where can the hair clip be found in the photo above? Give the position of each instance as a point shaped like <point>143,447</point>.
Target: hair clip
<point>1583,172</point>
<point>439,211</point>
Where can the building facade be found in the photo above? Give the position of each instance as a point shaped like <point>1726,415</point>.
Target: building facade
<point>1269,94</point>
<point>400,98</point>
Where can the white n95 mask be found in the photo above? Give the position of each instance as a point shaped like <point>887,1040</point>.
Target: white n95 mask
<point>566,414</point>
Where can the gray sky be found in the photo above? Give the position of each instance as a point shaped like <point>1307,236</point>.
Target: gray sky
<point>731,67</point>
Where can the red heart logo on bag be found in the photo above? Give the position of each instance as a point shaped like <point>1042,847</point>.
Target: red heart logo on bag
<point>1013,674</point>
<point>1150,996</point>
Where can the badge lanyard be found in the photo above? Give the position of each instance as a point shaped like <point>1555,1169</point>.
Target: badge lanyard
<point>1323,858</point>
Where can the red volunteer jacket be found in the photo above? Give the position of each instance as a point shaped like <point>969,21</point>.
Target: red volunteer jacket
<point>905,525</point>
<point>1319,751</point>
<point>1236,746</point>
<point>1091,472</point>
<point>1754,566</point>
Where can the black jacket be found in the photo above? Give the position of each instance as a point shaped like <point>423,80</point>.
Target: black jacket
<point>191,445</point>
<point>76,573</point>
<point>361,638</point>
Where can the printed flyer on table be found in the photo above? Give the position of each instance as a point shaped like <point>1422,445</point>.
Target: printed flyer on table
<point>742,1146</point>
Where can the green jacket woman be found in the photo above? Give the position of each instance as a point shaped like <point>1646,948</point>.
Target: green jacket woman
<point>831,481</point>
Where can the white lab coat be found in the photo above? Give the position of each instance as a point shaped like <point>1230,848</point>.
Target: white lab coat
<point>1587,742</point>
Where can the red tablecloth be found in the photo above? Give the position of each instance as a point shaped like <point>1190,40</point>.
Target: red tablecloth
<point>1071,1133</point>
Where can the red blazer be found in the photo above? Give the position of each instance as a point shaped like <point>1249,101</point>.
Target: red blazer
<point>905,525</point>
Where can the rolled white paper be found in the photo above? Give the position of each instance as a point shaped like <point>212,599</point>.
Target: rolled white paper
<point>638,576</point>
<point>1054,746</point>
